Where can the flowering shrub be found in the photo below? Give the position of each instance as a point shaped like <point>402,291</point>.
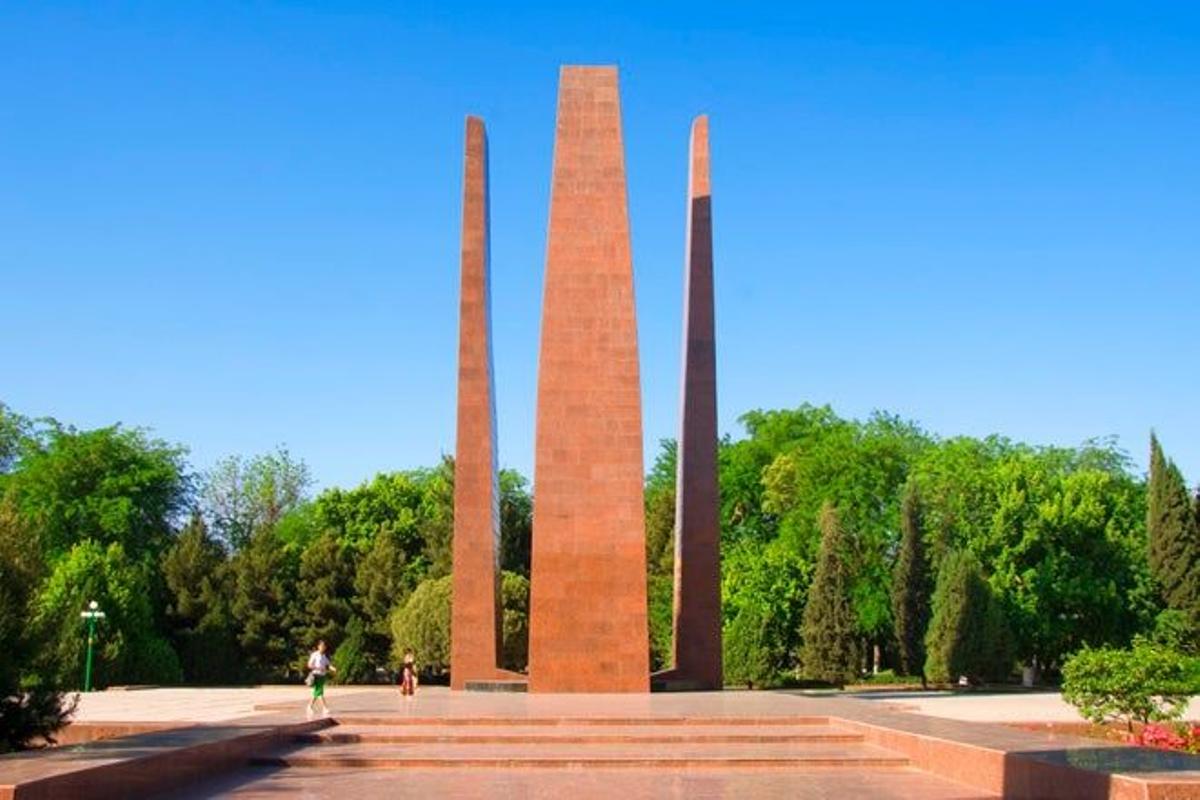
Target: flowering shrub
<point>1166,737</point>
<point>1161,737</point>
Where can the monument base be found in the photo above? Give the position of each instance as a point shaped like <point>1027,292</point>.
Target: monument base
<point>516,685</point>
<point>673,680</point>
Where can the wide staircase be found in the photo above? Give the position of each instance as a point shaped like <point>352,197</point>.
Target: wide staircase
<point>778,743</point>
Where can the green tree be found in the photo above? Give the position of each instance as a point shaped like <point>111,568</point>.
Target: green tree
<point>660,554</point>
<point>763,589</point>
<point>1174,533</point>
<point>967,635</point>
<point>199,582</point>
<point>516,522</point>
<point>660,605</point>
<point>354,664</point>
<point>437,518</point>
<point>415,508</point>
<point>243,496</point>
<point>264,606</point>
<point>861,468</point>
<point>910,586</point>
<point>422,625</point>
<point>514,595</point>
<point>129,649</point>
<point>380,584</point>
<point>14,431</point>
<point>110,486</point>
<point>831,651</point>
<point>324,591</point>
<point>32,707</point>
<point>1064,548</point>
<point>750,654</point>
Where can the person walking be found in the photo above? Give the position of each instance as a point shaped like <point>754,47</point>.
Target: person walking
<point>319,669</point>
<point>408,675</point>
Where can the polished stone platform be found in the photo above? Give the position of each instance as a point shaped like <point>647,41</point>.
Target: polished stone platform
<point>813,746</point>
<point>717,744</point>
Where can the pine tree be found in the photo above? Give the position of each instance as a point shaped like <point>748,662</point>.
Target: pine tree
<point>325,588</point>
<point>910,586</point>
<point>829,626</point>
<point>264,606</point>
<point>196,572</point>
<point>190,570</point>
<point>1173,528</point>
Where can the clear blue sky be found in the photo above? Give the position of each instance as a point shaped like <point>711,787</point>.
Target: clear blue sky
<point>237,223</point>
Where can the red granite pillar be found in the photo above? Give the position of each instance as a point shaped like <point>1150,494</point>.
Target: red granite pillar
<point>588,604</point>
<point>475,615</point>
<point>697,523</point>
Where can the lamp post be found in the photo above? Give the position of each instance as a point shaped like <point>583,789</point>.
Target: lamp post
<point>91,615</point>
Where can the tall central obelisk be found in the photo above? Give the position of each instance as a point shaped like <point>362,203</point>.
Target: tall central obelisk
<point>587,630</point>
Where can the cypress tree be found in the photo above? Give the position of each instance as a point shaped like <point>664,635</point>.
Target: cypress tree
<point>1173,530</point>
<point>968,634</point>
<point>910,586</point>
<point>829,627</point>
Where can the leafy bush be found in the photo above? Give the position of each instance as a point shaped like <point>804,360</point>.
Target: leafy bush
<point>887,677</point>
<point>422,625</point>
<point>514,591</point>
<point>660,596</point>
<point>763,593</point>
<point>1148,683</point>
<point>1173,629</point>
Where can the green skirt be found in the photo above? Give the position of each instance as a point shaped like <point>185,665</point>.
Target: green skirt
<point>319,685</point>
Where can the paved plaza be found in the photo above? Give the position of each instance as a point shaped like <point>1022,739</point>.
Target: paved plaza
<point>224,704</point>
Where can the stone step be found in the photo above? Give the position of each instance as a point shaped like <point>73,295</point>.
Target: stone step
<point>580,734</point>
<point>901,783</point>
<point>398,720</point>
<point>565,755</point>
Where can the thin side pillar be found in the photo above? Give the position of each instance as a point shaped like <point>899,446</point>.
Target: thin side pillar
<point>475,628</point>
<point>697,618</point>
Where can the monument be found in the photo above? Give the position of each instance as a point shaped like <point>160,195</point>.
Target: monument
<point>587,625</point>
<point>588,607</point>
<point>697,611</point>
<point>475,623</point>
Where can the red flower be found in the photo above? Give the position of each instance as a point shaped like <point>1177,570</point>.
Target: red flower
<point>1163,738</point>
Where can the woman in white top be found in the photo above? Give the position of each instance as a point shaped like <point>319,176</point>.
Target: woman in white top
<point>318,670</point>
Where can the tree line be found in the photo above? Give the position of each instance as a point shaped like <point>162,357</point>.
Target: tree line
<point>848,546</point>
